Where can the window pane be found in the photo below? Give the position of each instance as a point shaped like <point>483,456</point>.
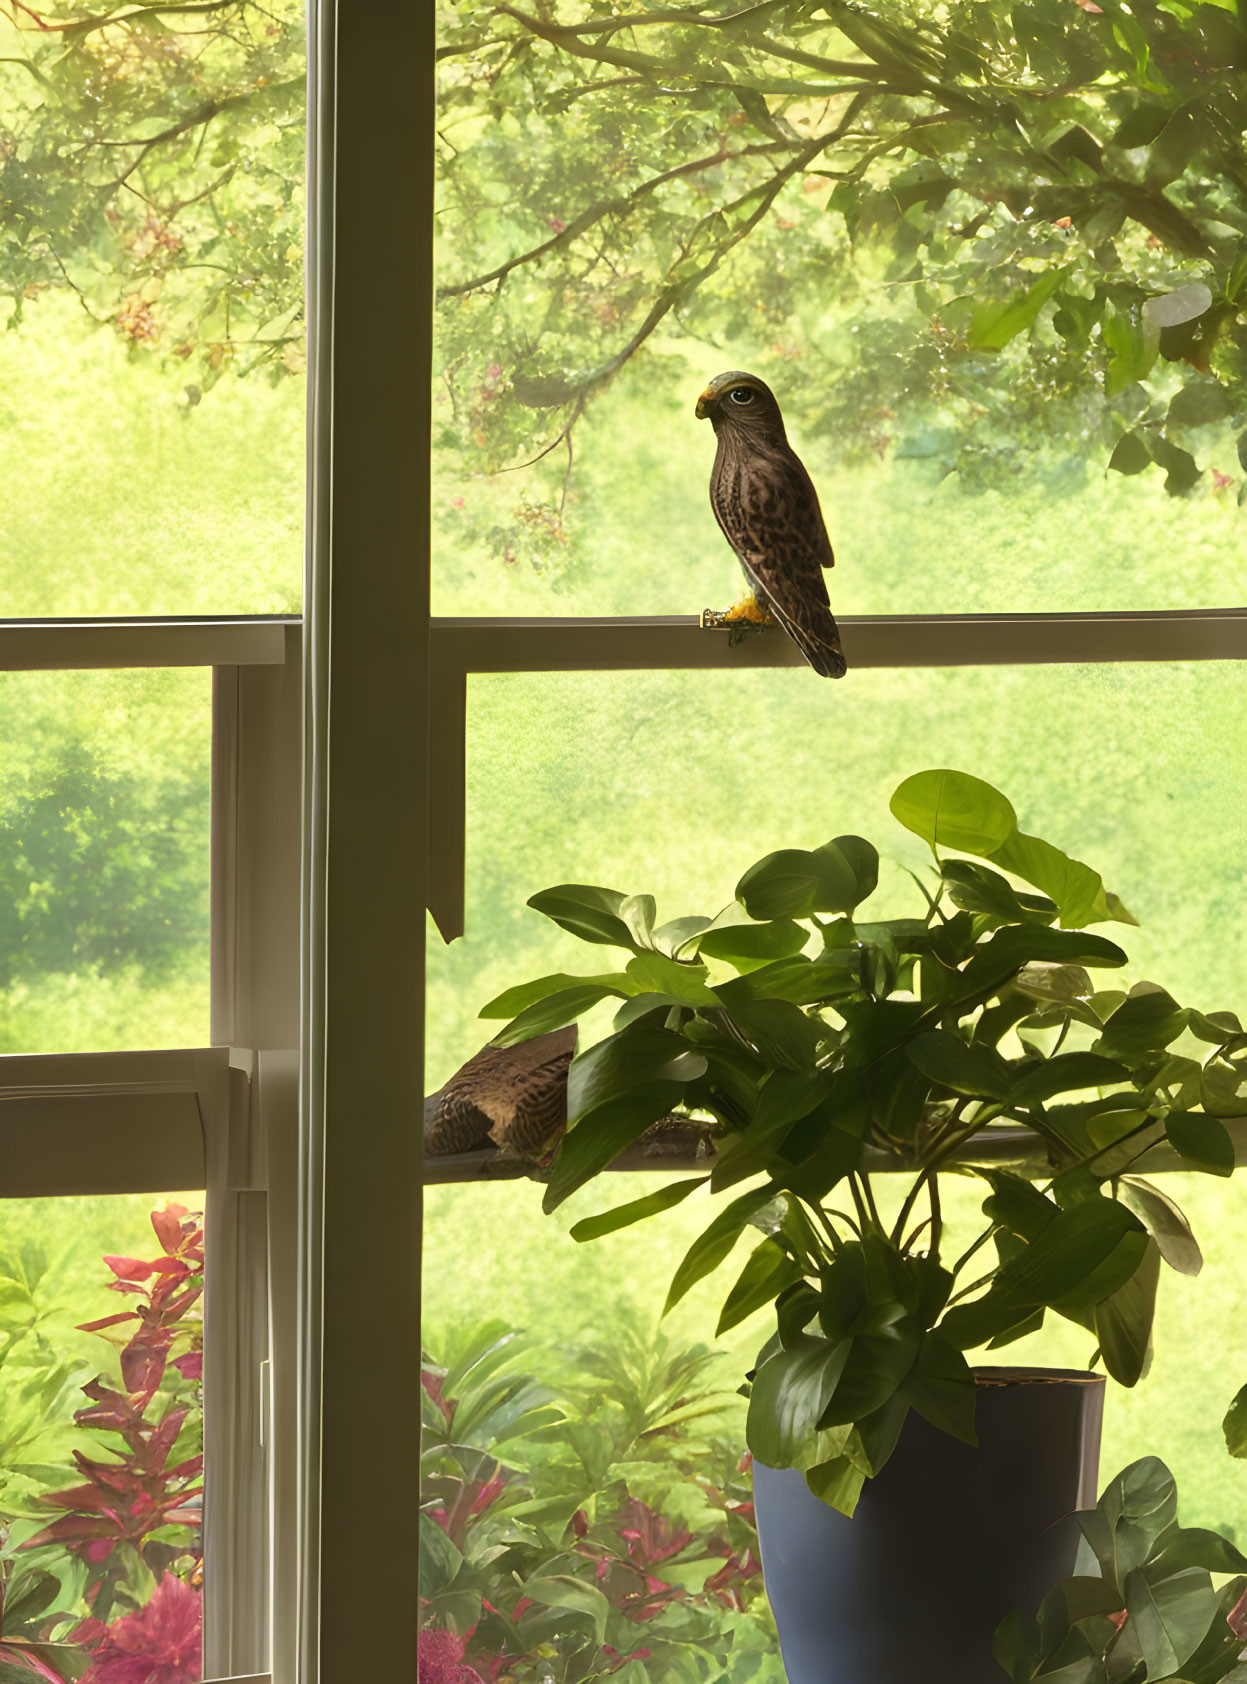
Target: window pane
<point>101,1448</point>
<point>104,838</point>
<point>152,386</point>
<point>594,1467</point>
<point>674,783</point>
<point>490,1253</point>
<point>964,328</point>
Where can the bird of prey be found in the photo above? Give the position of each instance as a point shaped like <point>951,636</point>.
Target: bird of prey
<point>766,504</point>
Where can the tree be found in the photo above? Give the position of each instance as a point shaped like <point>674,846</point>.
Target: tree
<point>977,227</point>
<point>151,162</point>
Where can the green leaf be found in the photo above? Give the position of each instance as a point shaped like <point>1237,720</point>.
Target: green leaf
<point>992,326</point>
<point>1123,1321</point>
<point>1202,1141</point>
<point>1198,404</point>
<point>1017,945</point>
<point>1130,454</point>
<point>591,913</point>
<point>1235,1424</point>
<point>623,1216</point>
<point>1144,1023</point>
<point>796,883</point>
<point>638,1056</point>
<point>945,1058</point>
<point>877,1364</point>
<point>570,1595</point>
<point>1223,1087</point>
<point>977,888</point>
<point>710,1248</point>
<point>766,1274</point>
<point>941,1388</point>
<point>1085,1254</point>
<point>751,945</point>
<point>1135,1508</point>
<point>799,980</point>
<point>862,858</point>
<point>603,1133</point>
<point>28,1596</point>
<point>837,1482</point>
<point>654,973</point>
<point>671,938</point>
<point>954,810</point>
<point>785,1097</point>
<point>556,1011</point>
<point>1076,890</point>
<point>440,1560</point>
<point>638,913</point>
<point>1170,1618</point>
<point>1183,304</point>
<point>1164,1222</point>
<point>1066,1073</point>
<point>1133,337</point>
<point>790,1392</point>
<point>512,1001</point>
<point>780,1032</point>
<point>1193,1546</point>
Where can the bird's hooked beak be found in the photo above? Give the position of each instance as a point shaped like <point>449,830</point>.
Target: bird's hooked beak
<point>706,405</point>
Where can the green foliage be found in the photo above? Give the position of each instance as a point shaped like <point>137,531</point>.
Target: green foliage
<point>1150,1612</point>
<point>909,1044</point>
<point>151,162</point>
<point>585,1513</point>
<point>100,869</point>
<point>976,228</point>
<point>103,860</point>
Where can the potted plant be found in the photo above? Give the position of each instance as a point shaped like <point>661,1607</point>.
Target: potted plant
<point>1144,1607</point>
<point>826,1044</point>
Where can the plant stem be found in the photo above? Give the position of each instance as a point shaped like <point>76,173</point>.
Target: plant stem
<point>978,1244</point>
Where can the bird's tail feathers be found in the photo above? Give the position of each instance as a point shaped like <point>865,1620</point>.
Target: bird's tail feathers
<point>820,643</point>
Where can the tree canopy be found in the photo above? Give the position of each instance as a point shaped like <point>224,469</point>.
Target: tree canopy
<point>151,163</point>
<point>972,227</point>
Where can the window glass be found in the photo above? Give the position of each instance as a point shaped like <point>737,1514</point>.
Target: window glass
<point>104,841</point>
<point>101,1447</point>
<point>1004,348</point>
<point>151,381</point>
<point>491,1254</point>
<point>673,783</point>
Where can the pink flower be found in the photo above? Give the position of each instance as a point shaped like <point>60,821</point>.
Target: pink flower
<point>159,1644</point>
<point>441,1660</point>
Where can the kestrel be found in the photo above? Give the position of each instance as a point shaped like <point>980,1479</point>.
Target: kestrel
<point>766,504</point>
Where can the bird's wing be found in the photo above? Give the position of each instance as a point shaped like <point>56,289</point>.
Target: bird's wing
<point>779,535</point>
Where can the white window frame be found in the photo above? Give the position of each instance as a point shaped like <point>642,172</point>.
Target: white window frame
<point>221,1117</point>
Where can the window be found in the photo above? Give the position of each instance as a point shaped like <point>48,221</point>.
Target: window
<point>150,681</point>
<point>1009,376</point>
<point>975,602</point>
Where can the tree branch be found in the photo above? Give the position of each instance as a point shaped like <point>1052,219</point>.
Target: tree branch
<point>620,206</point>
<point>566,38</point>
<point>733,22</point>
<point>106,20</point>
<point>550,395</point>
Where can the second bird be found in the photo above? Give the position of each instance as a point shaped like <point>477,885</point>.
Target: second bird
<point>766,504</point>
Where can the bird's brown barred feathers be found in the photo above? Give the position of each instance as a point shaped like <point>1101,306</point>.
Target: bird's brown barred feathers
<point>767,506</point>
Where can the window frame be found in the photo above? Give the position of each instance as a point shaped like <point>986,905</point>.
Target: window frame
<point>224,1116</point>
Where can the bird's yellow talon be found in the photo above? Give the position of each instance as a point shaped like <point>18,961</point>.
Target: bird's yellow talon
<point>750,611</point>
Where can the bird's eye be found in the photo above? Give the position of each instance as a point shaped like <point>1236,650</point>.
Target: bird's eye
<point>741,394</point>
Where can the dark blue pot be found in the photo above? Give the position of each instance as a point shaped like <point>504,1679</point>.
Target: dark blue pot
<point>944,1543</point>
